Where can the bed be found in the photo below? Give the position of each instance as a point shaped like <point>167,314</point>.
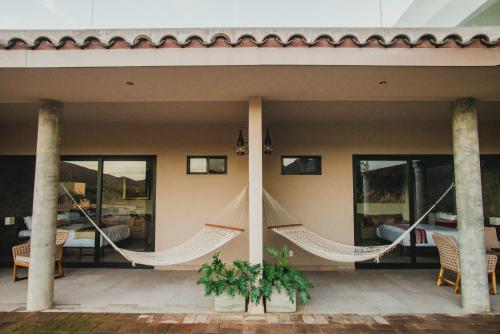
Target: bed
<point>391,232</point>
<point>81,237</point>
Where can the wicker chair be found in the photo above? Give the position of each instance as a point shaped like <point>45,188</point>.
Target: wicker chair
<point>449,257</point>
<point>21,254</point>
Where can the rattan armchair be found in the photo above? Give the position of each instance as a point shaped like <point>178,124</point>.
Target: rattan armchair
<point>21,254</point>
<point>449,257</point>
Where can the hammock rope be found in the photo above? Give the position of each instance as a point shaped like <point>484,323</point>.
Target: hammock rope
<point>280,221</point>
<point>223,227</point>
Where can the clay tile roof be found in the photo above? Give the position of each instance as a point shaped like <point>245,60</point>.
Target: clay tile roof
<point>462,37</point>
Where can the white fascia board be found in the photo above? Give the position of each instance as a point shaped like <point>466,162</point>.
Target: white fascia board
<point>250,57</point>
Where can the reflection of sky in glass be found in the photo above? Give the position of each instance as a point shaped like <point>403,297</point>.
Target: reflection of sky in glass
<point>93,165</point>
<point>288,161</point>
<point>198,165</point>
<point>135,170</point>
<point>85,14</point>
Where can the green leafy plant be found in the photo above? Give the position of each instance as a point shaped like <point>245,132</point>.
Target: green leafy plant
<point>239,278</point>
<point>283,276</point>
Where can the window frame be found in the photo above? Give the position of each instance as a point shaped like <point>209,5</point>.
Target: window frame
<point>207,158</point>
<point>318,160</point>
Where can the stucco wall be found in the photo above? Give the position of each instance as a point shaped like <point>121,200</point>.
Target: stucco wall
<point>323,203</point>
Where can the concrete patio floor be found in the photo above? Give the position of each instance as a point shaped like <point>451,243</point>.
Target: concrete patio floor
<point>360,292</point>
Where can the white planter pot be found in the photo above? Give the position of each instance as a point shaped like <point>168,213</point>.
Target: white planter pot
<point>226,303</point>
<point>280,303</point>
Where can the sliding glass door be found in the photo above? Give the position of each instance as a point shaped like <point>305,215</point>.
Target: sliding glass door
<point>127,208</point>
<point>118,194</point>
<point>392,192</point>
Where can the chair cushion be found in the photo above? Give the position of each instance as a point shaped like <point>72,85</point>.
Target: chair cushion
<point>25,259</point>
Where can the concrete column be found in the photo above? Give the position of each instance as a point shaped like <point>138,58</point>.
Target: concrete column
<point>255,187</point>
<point>43,234</point>
<point>420,205</point>
<point>475,295</point>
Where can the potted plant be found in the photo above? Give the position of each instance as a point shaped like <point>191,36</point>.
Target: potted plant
<point>282,283</point>
<point>231,285</point>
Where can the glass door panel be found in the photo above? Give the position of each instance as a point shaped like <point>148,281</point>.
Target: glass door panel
<point>80,177</point>
<point>432,176</point>
<point>126,211</point>
<point>382,206</point>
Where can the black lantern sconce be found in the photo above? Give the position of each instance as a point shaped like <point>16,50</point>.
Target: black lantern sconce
<point>241,147</point>
<point>268,145</point>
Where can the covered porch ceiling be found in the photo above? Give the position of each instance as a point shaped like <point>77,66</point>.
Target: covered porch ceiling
<point>237,83</point>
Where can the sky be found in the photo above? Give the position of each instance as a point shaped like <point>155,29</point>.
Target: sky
<point>115,14</point>
<point>100,14</point>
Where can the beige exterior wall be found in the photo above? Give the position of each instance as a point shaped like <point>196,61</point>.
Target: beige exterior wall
<point>323,203</point>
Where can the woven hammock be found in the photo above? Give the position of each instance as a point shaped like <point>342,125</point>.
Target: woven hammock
<point>219,230</point>
<point>279,220</point>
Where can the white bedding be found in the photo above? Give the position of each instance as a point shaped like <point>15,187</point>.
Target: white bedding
<point>115,233</point>
<point>392,232</point>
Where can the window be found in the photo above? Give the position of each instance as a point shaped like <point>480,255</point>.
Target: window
<point>206,164</point>
<point>301,165</point>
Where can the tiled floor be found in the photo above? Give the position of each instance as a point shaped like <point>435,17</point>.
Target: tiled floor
<point>21,322</point>
<point>150,291</point>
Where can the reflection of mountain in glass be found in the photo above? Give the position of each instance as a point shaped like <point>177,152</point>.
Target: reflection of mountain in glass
<point>114,188</point>
<point>73,173</point>
<point>113,185</point>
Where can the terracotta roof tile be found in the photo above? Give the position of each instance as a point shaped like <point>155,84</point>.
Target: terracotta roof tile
<point>276,38</point>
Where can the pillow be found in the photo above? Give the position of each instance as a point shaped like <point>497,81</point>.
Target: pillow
<point>446,223</point>
<point>446,216</point>
<point>371,220</point>
<point>393,219</point>
<point>28,222</point>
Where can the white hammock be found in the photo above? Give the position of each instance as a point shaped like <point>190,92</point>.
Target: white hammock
<point>282,222</point>
<point>219,230</point>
